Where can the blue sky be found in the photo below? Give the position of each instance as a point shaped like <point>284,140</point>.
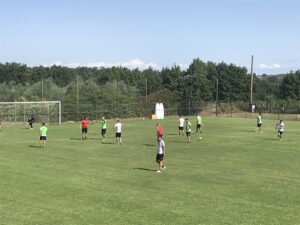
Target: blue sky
<point>160,33</point>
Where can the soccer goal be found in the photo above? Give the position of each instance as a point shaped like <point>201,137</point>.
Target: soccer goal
<point>19,112</point>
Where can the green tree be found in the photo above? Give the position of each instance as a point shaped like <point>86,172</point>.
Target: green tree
<point>169,75</point>
<point>290,86</point>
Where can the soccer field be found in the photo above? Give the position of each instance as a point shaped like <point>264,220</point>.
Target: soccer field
<point>232,176</point>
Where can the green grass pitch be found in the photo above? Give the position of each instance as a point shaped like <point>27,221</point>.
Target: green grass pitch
<point>232,176</point>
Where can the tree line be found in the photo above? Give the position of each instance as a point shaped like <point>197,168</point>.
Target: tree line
<point>131,92</point>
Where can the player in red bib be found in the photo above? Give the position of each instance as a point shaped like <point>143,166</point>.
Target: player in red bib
<point>159,131</point>
<point>84,128</point>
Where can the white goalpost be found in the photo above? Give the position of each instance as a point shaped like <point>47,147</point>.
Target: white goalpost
<point>42,111</point>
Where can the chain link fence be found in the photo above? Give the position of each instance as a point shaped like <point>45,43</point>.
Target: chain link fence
<point>228,109</point>
<point>73,112</point>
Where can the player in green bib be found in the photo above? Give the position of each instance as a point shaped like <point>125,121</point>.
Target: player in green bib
<point>259,123</point>
<point>199,124</point>
<point>43,135</point>
<point>103,129</point>
<point>188,129</point>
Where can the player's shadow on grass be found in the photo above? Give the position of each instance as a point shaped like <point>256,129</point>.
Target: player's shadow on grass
<point>248,131</point>
<point>80,139</point>
<point>150,145</point>
<point>172,134</point>
<point>76,139</point>
<point>145,169</point>
<point>34,146</point>
<point>179,141</point>
<point>109,143</point>
<point>94,139</point>
<point>271,139</point>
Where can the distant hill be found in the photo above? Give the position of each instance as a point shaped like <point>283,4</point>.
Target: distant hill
<point>272,78</point>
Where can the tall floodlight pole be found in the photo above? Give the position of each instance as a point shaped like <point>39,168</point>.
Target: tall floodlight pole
<point>251,84</point>
<point>146,93</point>
<point>217,96</point>
<point>59,109</point>
<point>189,106</point>
<point>42,88</point>
<point>116,98</point>
<point>77,97</point>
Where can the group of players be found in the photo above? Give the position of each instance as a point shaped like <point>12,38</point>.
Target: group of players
<point>118,129</point>
<point>279,126</point>
<point>42,131</point>
<point>184,128</point>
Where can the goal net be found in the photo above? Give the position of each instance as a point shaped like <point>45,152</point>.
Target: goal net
<point>19,112</point>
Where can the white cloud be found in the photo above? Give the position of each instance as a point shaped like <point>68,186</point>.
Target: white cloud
<point>58,63</point>
<point>137,63</point>
<point>183,66</point>
<point>270,66</point>
<point>132,64</point>
<point>72,65</point>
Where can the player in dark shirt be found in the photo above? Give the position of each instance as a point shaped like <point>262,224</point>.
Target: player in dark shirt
<point>31,120</point>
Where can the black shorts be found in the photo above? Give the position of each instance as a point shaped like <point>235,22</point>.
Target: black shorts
<point>280,132</point>
<point>198,126</point>
<point>118,135</point>
<point>43,138</point>
<point>180,128</point>
<point>103,131</point>
<point>188,133</point>
<point>259,125</point>
<point>160,157</point>
<point>84,130</point>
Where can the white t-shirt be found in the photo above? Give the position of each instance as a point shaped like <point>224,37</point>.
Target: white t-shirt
<point>181,122</point>
<point>161,147</point>
<point>280,127</point>
<point>118,127</point>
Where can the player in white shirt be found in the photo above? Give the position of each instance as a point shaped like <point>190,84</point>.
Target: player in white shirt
<point>118,130</point>
<point>181,125</point>
<point>161,151</point>
<point>280,129</point>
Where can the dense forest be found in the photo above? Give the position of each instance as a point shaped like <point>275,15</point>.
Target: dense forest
<point>121,91</point>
